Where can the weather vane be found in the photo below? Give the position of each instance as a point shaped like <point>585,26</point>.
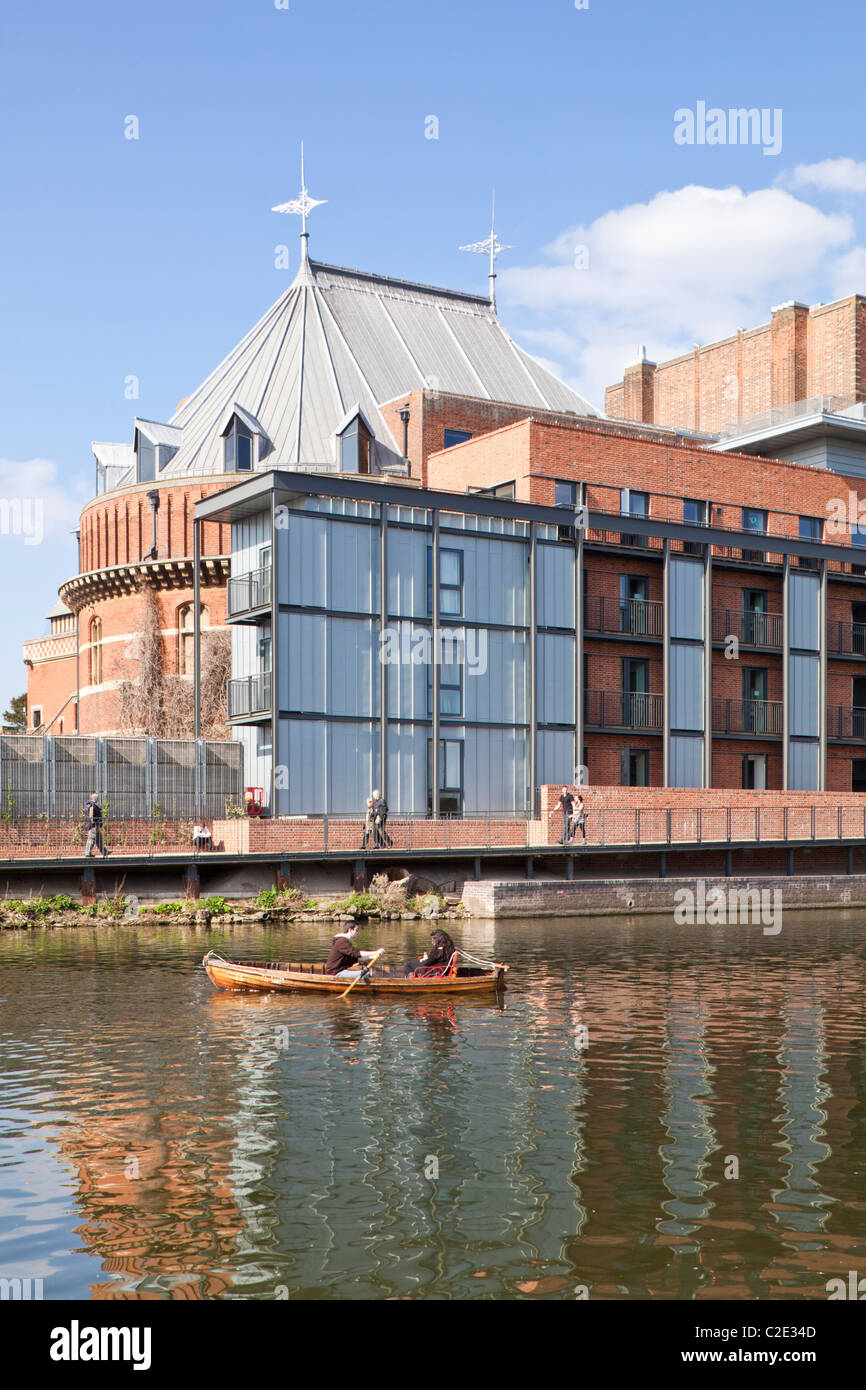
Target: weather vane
<point>301,206</point>
<point>490,245</point>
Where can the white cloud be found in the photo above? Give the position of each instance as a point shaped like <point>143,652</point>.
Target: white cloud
<point>35,502</point>
<point>691,265</point>
<point>836,175</point>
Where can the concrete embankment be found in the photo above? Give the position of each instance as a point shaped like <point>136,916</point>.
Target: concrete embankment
<point>493,898</point>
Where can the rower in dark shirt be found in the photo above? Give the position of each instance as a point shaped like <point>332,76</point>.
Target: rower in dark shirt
<point>344,955</point>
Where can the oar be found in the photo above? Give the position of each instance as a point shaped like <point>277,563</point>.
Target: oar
<point>371,962</point>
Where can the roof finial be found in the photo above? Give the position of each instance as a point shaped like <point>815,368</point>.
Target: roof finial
<point>493,245</point>
<point>302,205</point>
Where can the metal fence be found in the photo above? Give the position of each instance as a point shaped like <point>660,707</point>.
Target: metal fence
<point>45,777</point>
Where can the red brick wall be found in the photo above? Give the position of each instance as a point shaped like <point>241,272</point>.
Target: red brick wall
<point>802,352</point>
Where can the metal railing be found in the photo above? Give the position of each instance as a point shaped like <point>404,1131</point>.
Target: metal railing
<point>846,639</point>
<point>610,709</point>
<point>637,616</point>
<point>747,716</point>
<point>246,592</point>
<point>846,721</point>
<point>752,629</point>
<point>639,827</point>
<point>249,695</point>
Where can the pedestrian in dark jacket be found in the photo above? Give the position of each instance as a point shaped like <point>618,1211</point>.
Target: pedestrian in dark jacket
<point>380,811</point>
<point>94,818</point>
<point>566,805</point>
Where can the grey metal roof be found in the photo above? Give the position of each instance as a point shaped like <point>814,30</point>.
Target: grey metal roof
<point>341,338</point>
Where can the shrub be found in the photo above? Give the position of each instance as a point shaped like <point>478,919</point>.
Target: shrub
<point>357,903</point>
<point>168,909</point>
<point>289,898</point>
<point>215,906</point>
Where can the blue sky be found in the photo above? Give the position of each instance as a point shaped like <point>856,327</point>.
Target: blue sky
<point>152,257</point>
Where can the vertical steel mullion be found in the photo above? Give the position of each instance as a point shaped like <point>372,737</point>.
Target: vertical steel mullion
<point>434,605</point>
<point>579,664</point>
<point>666,666</point>
<point>786,670</point>
<point>196,641</point>
<point>383,665</point>
<point>275,658</point>
<point>533,663</point>
<point>822,680</point>
<point>708,666</point>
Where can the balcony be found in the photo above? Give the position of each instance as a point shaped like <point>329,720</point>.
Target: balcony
<point>250,697</point>
<point>751,629</point>
<point>610,709</point>
<point>248,592</point>
<point>846,639</point>
<point>634,616</point>
<point>846,722</point>
<point>760,717</point>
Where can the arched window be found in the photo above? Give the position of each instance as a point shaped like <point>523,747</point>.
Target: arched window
<point>186,637</point>
<point>96,651</point>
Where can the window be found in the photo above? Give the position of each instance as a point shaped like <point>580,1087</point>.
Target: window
<point>755,623</point>
<point>858,538</point>
<point>453,437</point>
<point>265,647</point>
<point>634,614</point>
<point>565,494</point>
<point>755,519</point>
<point>858,703</point>
<point>858,628</point>
<point>450,777</point>
<point>636,700</point>
<point>755,771</point>
<point>633,504</point>
<point>186,638</point>
<point>355,447</point>
<point>450,681</point>
<point>756,711</point>
<point>504,490</point>
<point>146,460</point>
<point>695,513</point>
<point>450,582</point>
<point>238,447</point>
<point>634,767</point>
<point>36,716</point>
<point>858,774</point>
<point>811,529</point>
<point>96,651</point>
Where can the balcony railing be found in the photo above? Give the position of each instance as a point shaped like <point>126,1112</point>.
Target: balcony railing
<point>747,717</point>
<point>639,617</point>
<point>846,639</point>
<point>251,695</point>
<point>249,591</point>
<point>846,721</point>
<point>752,629</point>
<point>610,709</point>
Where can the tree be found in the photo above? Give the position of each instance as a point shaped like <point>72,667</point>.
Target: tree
<point>15,717</point>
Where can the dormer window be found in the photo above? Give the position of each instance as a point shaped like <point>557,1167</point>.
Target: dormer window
<point>238,447</point>
<point>146,460</point>
<point>355,443</point>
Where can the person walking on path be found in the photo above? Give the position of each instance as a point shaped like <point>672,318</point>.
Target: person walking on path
<point>369,822</point>
<point>380,810</point>
<point>566,805</point>
<point>94,818</point>
<point>578,820</point>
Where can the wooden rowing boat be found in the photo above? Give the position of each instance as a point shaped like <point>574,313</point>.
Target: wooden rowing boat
<point>382,979</point>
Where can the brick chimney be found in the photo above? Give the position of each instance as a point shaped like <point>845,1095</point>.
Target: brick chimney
<point>788,353</point>
<point>638,391</point>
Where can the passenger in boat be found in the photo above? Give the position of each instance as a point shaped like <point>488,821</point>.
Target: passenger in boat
<point>345,956</point>
<point>439,956</point>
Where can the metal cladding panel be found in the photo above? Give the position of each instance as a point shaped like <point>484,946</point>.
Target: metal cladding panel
<point>803,764</point>
<point>407,679</point>
<point>687,761</point>
<point>255,740</point>
<point>555,758</point>
<point>498,691</point>
<point>307,766</point>
<point>332,664</point>
<point>504,374</point>
<point>248,537</point>
<point>333,564</point>
<point>555,585</point>
<point>407,573</point>
<point>687,688</point>
<point>804,610</point>
<point>353,766</point>
<point>245,650</point>
<point>406,792</point>
<point>430,342</point>
<point>803,697</point>
<point>555,680</point>
<point>495,771</point>
<point>555,392</point>
<point>495,578</point>
<point>687,598</point>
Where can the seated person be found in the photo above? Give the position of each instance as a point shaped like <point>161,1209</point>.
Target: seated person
<point>201,836</point>
<point>442,948</point>
<point>344,955</point>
